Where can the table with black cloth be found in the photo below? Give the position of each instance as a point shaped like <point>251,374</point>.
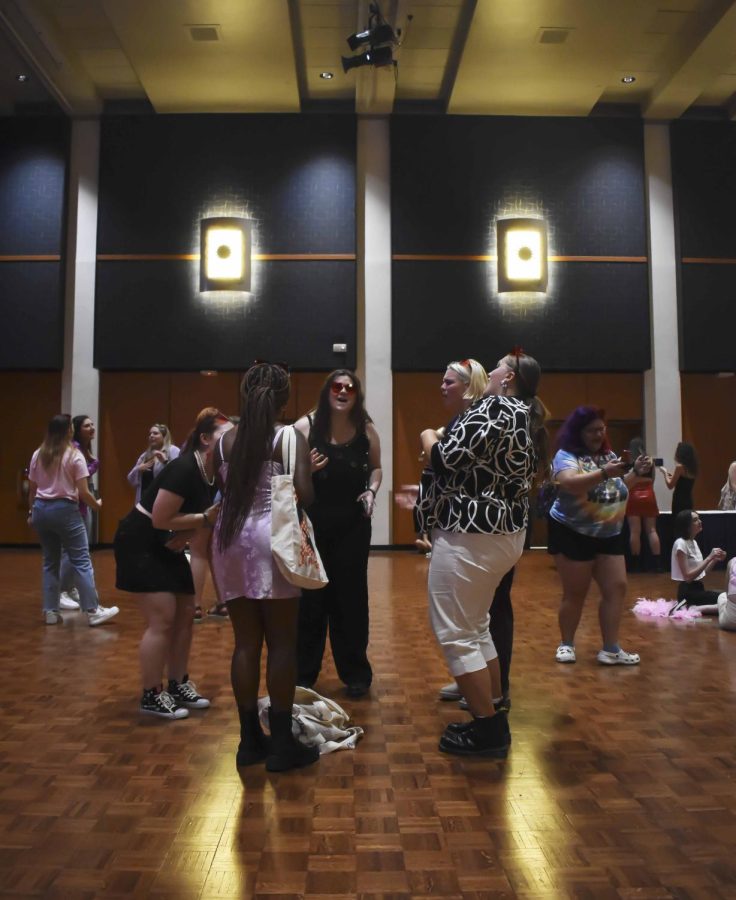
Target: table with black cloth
<point>719,530</point>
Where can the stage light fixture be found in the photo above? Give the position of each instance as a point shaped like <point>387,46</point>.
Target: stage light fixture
<point>379,38</point>
<point>381,56</point>
<point>379,34</point>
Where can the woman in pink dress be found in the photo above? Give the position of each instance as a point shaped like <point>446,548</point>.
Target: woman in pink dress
<point>261,602</point>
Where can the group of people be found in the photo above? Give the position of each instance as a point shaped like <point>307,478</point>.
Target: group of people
<point>214,496</point>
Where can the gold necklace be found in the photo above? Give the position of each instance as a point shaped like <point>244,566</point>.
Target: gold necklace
<point>202,470</point>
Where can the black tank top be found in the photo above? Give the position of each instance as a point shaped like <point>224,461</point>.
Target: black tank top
<point>338,486</point>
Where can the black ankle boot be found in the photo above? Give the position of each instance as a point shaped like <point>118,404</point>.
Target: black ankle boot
<point>254,745</point>
<point>488,736</point>
<point>286,751</point>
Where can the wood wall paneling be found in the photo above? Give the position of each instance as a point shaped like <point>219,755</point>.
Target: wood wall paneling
<point>709,423</point>
<point>130,402</point>
<point>29,400</point>
<point>418,405</point>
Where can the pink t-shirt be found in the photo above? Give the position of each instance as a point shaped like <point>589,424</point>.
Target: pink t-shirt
<point>60,481</point>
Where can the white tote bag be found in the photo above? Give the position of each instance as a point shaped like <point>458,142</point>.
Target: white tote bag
<point>292,535</point>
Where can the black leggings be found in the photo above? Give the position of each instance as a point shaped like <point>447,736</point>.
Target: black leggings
<point>502,627</point>
<point>695,594</point>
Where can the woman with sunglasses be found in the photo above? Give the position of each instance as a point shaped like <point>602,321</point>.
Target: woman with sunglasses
<point>346,473</point>
<point>150,463</point>
<point>484,468</point>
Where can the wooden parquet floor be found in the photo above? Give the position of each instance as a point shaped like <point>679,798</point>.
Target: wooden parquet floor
<point>621,782</point>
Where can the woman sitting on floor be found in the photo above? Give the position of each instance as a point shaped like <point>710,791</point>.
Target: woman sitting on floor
<point>688,566</point>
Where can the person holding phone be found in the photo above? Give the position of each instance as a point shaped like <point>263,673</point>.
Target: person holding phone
<point>681,480</point>
<point>688,566</point>
<point>642,512</point>
<point>586,529</point>
<point>346,473</point>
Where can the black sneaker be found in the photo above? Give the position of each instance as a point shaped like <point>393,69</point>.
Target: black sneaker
<point>185,694</point>
<point>161,703</point>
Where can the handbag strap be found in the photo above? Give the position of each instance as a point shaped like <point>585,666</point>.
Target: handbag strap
<point>288,455</point>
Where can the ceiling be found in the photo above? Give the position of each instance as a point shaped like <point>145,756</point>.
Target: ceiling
<point>476,57</point>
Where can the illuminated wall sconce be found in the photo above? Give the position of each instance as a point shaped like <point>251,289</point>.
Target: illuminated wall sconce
<point>522,255</point>
<point>225,254</point>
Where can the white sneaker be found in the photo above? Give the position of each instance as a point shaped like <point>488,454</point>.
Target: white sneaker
<point>622,658</point>
<point>565,654</point>
<point>450,692</point>
<point>66,601</point>
<point>102,614</point>
<point>52,617</point>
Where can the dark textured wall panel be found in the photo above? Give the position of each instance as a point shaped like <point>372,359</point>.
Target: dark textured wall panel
<point>453,176</point>
<point>32,315</point>
<point>154,317</point>
<point>33,159</point>
<point>293,176</point>
<point>704,180</point>
<point>468,324</point>
<point>707,318</point>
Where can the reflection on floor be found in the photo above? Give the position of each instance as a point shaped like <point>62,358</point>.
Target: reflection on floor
<point>621,782</point>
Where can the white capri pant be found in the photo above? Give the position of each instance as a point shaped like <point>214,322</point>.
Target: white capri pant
<point>464,572</point>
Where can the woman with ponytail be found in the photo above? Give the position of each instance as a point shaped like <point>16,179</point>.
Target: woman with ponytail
<point>150,561</point>
<point>484,468</point>
<point>261,602</point>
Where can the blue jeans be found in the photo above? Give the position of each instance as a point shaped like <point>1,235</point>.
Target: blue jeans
<point>67,577</point>
<point>60,525</point>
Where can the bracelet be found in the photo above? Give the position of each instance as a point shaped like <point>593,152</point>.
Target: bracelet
<point>372,492</point>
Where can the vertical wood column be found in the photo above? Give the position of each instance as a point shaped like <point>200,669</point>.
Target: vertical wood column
<point>374,299</point>
<point>662,396</point>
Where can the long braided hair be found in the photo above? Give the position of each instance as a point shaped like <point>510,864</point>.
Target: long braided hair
<point>264,391</point>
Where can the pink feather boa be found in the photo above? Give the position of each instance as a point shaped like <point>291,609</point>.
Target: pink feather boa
<point>661,609</point>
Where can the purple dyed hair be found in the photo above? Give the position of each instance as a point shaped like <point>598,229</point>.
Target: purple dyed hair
<point>570,435</point>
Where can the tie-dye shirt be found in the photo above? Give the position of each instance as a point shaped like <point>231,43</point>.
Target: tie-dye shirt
<point>600,512</point>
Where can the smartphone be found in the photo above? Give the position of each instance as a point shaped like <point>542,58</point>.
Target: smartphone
<point>658,461</point>
<point>625,457</point>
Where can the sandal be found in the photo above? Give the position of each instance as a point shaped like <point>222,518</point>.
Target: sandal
<point>199,615</point>
<point>219,611</point>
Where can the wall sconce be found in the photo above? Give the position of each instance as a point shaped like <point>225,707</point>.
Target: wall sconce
<point>225,244</point>
<point>522,255</point>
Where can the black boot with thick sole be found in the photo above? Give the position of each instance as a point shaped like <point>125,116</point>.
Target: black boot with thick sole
<point>286,751</point>
<point>254,744</point>
<point>489,736</point>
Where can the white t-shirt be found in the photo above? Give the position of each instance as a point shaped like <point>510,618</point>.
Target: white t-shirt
<point>726,612</point>
<point>726,606</point>
<point>693,556</point>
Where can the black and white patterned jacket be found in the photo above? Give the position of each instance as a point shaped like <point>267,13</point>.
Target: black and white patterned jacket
<point>483,470</point>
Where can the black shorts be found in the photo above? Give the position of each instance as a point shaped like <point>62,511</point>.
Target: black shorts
<point>581,547</point>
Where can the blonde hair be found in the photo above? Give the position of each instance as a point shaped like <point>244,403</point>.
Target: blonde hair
<point>473,375</point>
<point>165,434</point>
